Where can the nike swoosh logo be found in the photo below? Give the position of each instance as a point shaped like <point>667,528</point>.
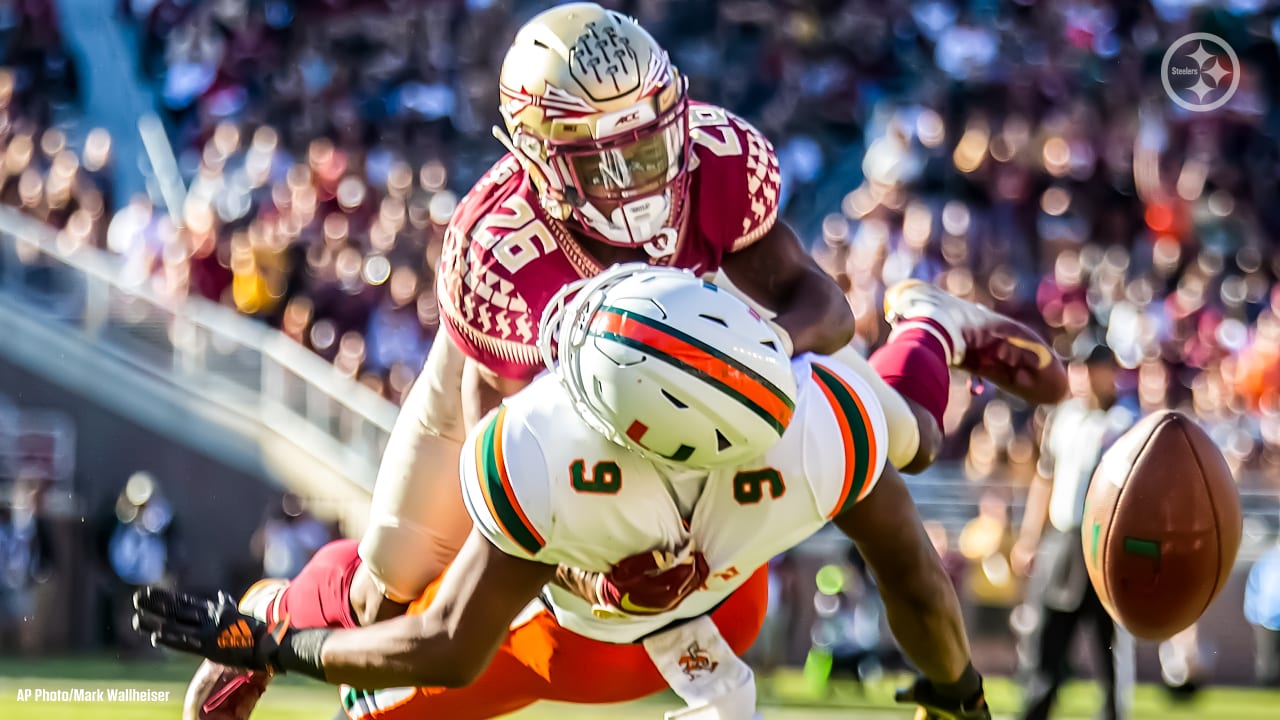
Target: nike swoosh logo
<point>1042,353</point>
<point>625,604</point>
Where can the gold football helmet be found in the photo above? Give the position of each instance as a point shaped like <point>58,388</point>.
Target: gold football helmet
<point>597,115</point>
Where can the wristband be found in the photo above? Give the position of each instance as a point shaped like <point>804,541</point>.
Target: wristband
<point>300,652</point>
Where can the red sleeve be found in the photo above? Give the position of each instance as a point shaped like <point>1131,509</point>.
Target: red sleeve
<point>736,180</point>
<point>498,267</point>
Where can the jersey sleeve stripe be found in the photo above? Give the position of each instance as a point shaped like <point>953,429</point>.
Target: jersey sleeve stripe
<point>856,430</point>
<point>684,351</point>
<point>495,484</point>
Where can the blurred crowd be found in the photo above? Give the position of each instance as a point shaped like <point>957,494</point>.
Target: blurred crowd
<point>1022,154</point>
<point>40,171</point>
<point>1028,157</point>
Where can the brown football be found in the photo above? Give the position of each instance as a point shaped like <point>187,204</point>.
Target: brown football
<point>1161,526</point>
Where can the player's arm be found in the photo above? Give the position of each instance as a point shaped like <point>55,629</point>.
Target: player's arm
<point>484,389</point>
<point>448,645</point>
<point>1035,515</point>
<point>920,602</point>
<point>776,272</point>
<point>452,642</point>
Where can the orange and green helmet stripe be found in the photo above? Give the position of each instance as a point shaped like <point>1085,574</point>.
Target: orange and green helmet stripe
<point>495,484</point>
<point>681,350</point>
<point>857,433</point>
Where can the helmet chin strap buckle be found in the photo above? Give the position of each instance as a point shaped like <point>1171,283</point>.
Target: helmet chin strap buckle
<point>638,223</point>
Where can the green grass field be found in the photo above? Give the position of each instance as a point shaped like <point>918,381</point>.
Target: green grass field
<point>786,698</point>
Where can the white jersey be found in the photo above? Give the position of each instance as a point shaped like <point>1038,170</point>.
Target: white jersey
<point>541,484</point>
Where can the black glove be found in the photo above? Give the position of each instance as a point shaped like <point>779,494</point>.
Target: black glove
<point>960,700</point>
<point>211,627</point>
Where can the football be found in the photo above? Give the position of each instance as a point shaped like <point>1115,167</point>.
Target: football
<point>1162,525</point>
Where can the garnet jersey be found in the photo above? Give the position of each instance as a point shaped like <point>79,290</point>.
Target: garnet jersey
<point>540,484</point>
<point>504,257</point>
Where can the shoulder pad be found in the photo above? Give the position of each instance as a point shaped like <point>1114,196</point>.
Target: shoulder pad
<point>856,422</point>
<point>506,484</point>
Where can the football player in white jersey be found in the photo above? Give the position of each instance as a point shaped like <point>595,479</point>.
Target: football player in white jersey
<point>673,424</point>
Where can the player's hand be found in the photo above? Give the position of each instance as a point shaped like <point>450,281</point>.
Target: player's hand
<point>650,583</point>
<point>1022,558</point>
<point>932,703</point>
<point>211,627</point>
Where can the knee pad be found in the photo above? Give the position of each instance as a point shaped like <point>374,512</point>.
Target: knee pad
<point>904,428</point>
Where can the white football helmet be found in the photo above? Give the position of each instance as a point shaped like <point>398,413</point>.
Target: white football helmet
<point>669,366</point>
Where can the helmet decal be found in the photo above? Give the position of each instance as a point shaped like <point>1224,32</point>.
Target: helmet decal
<point>604,63</point>
<point>555,102</point>
<point>684,352</point>
<point>657,76</point>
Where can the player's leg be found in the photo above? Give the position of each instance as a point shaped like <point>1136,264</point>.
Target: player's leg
<point>1114,653</point>
<point>417,521</point>
<point>1266,662</point>
<point>1045,651</point>
<point>978,340</point>
<point>934,331</point>
<point>1102,633</point>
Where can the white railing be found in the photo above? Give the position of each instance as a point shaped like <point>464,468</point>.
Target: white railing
<point>221,357</point>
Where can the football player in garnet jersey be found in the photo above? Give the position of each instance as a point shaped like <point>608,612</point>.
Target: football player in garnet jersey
<point>609,161</point>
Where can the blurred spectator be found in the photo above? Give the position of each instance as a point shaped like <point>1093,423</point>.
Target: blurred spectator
<point>140,539</point>
<point>1262,610</point>
<point>288,538</point>
<point>1060,597</point>
<point>1022,155</point>
<point>40,169</point>
<point>26,561</point>
<point>992,589</point>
